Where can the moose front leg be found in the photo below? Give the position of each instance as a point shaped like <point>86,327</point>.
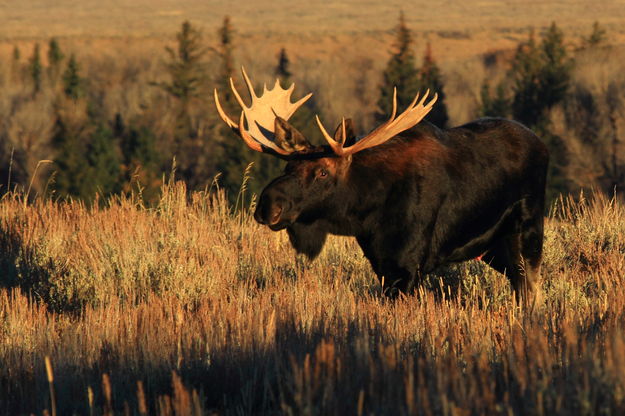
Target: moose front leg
<point>398,279</point>
<point>395,272</point>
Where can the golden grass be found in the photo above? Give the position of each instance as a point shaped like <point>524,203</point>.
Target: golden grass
<point>153,17</point>
<point>188,308</point>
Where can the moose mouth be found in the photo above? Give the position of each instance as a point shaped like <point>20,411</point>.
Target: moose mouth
<point>275,222</point>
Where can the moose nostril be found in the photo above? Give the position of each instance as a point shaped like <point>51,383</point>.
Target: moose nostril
<point>275,216</point>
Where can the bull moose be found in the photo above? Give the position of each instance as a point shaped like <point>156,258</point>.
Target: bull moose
<point>415,196</point>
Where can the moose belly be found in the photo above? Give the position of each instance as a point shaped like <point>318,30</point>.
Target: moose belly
<point>474,245</point>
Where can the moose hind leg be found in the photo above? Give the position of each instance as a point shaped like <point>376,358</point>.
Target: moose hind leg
<point>505,257</point>
<point>531,250</point>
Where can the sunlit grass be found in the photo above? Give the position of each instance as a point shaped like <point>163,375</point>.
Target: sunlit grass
<point>191,308</point>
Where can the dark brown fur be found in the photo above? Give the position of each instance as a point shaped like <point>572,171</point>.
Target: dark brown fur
<point>423,199</point>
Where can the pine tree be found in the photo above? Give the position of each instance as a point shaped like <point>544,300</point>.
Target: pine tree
<point>16,66</point>
<point>541,76</point>
<point>188,77</point>
<point>72,177</point>
<point>430,79</point>
<point>497,106</point>
<point>73,84</point>
<point>35,68</point>
<point>226,54</point>
<point>282,69</point>
<point>234,155</point>
<point>140,159</point>
<point>55,58</point>
<point>400,72</point>
<point>557,67</point>
<point>104,163</point>
<point>186,67</point>
<point>596,38</point>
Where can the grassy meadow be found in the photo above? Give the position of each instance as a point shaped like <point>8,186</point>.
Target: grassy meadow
<point>191,308</point>
<point>180,304</point>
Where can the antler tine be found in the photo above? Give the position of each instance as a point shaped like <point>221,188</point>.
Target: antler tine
<point>414,113</point>
<point>337,147</point>
<point>394,103</point>
<point>250,87</point>
<point>222,113</point>
<point>236,94</point>
<point>256,124</point>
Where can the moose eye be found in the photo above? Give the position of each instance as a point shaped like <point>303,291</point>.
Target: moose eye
<point>322,173</point>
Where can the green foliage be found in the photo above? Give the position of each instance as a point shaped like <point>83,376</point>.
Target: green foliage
<point>87,160</point>
<point>104,162</point>
<point>400,72</point>
<point>494,106</point>
<point>234,155</point>
<point>35,68</point>
<point>140,160</point>
<point>430,79</point>
<point>282,69</point>
<point>73,83</point>
<point>541,75</point>
<point>55,58</point>
<point>186,66</point>
<point>16,54</point>
<point>225,51</point>
<point>71,164</point>
<point>597,37</point>
<point>187,69</point>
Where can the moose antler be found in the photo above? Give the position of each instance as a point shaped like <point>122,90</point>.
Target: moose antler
<point>261,115</point>
<point>410,117</point>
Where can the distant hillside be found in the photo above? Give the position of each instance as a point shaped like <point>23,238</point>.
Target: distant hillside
<point>42,18</point>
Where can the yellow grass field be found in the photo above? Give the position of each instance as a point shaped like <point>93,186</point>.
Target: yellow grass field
<point>458,29</point>
<point>188,308</point>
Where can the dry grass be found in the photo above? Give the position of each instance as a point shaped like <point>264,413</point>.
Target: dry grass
<point>188,308</point>
<point>154,17</point>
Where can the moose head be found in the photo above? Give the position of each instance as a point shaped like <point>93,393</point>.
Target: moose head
<point>316,178</point>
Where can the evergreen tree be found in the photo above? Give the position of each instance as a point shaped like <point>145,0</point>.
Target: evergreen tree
<point>73,84</point>
<point>497,106</point>
<point>541,76</point>
<point>596,38</point>
<point>226,54</point>
<point>234,155</point>
<point>35,68</point>
<point>282,69</point>
<point>55,58</point>
<point>430,78</point>
<point>16,67</point>
<point>186,68</point>
<point>557,67</point>
<point>526,68</point>
<point>141,161</point>
<point>400,72</point>
<point>72,178</point>
<point>103,163</point>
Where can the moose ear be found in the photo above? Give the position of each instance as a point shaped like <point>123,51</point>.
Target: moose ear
<point>349,138</point>
<point>288,138</point>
